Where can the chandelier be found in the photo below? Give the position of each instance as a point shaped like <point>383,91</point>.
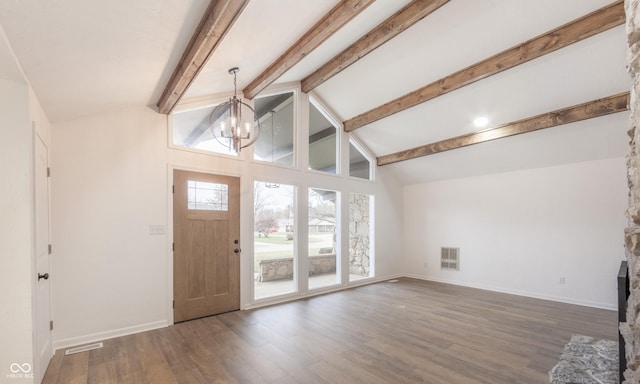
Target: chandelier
<point>234,123</point>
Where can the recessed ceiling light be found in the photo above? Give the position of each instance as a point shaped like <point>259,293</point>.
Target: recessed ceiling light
<point>481,122</point>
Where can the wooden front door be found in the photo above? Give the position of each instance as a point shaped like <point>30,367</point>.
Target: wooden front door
<point>206,256</point>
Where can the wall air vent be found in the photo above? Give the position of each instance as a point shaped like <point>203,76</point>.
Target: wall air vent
<point>450,258</point>
<point>83,348</point>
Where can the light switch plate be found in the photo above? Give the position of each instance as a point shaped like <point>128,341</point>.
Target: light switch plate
<point>156,230</point>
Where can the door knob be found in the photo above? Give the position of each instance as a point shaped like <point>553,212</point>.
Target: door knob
<point>45,276</point>
<point>236,250</point>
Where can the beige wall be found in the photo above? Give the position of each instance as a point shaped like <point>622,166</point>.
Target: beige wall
<point>520,232</point>
<point>18,109</point>
<point>16,228</point>
<point>109,185</point>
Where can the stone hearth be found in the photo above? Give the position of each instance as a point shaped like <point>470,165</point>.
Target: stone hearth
<point>631,328</point>
<point>586,360</point>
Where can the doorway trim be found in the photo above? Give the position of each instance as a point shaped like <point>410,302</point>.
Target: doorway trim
<point>170,232</point>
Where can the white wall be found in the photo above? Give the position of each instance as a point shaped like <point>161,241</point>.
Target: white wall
<point>109,183</point>
<point>111,180</point>
<point>520,232</point>
<point>18,108</point>
<point>16,229</point>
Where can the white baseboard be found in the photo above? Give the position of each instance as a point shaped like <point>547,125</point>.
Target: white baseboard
<point>534,295</point>
<point>86,339</point>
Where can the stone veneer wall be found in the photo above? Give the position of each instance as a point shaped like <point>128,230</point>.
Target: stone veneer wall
<point>282,269</point>
<point>359,230</point>
<point>631,329</point>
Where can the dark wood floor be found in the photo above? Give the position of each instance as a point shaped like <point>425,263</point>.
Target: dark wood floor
<point>406,332</point>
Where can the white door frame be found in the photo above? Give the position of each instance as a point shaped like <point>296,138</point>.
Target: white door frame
<point>43,351</point>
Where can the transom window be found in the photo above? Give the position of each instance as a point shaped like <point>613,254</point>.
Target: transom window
<point>190,129</point>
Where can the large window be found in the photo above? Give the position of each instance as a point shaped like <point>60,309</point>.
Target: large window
<point>280,251</point>
<point>360,226</point>
<point>276,141</point>
<point>324,258</point>
<point>274,256</point>
<point>323,143</point>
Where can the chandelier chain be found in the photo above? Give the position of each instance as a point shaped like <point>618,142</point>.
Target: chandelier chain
<point>235,88</point>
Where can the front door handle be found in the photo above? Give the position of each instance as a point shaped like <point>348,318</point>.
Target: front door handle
<point>45,276</point>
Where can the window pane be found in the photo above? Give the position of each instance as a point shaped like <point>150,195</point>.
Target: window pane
<point>322,142</point>
<point>191,130</point>
<point>360,262</point>
<point>323,255</point>
<point>275,143</point>
<point>359,165</point>
<point>274,257</point>
<point>205,196</point>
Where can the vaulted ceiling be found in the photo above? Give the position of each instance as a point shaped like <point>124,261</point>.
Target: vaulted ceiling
<point>424,81</point>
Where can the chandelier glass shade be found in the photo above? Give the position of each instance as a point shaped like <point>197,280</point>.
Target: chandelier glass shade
<point>234,123</point>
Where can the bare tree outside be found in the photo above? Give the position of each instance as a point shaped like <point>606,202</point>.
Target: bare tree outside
<point>322,205</point>
<point>273,239</point>
<point>260,198</point>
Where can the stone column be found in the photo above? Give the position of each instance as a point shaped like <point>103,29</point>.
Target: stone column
<point>359,230</point>
<point>631,329</point>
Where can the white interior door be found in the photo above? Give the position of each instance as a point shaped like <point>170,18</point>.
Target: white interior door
<point>43,352</point>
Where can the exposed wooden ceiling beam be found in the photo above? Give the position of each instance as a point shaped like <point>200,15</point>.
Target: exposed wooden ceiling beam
<point>601,20</point>
<point>388,29</point>
<point>596,108</point>
<point>217,20</point>
<point>322,30</point>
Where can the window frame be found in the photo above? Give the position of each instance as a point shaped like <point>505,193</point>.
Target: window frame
<point>199,104</point>
<point>295,129</point>
<point>296,245</point>
<point>339,239</point>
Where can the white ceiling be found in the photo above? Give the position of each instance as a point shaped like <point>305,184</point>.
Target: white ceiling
<point>84,57</point>
<point>87,56</point>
